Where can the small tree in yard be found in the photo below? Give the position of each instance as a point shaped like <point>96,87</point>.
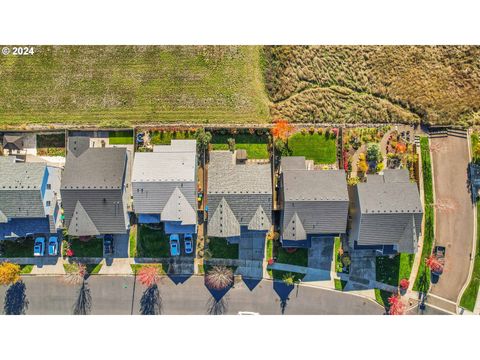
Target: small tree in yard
<point>434,264</point>
<point>289,279</point>
<point>76,273</point>
<point>148,276</point>
<point>203,138</point>
<point>219,277</point>
<point>373,152</point>
<point>397,307</point>
<point>404,283</point>
<point>9,273</point>
<point>282,129</point>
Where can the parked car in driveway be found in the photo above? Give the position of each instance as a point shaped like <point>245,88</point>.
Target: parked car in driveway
<point>174,245</point>
<point>108,244</point>
<point>53,246</point>
<point>188,239</point>
<point>39,246</point>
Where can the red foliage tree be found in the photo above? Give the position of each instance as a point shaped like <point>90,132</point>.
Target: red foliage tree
<point>282,129</point>
<point>401,148</point>
<point>404,283</point>
<point>434,264</point>
<point>397,307</point>
<point>69,252</point>
<point>148,276</point>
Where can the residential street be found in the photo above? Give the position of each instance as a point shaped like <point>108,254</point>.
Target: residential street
<point>121,295</point>
<point>453,213</point>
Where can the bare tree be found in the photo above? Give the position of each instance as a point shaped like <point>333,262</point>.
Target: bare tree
<point>219,277</point>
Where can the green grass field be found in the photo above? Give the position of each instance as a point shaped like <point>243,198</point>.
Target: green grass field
<point>120,137</point>
<point>219,248</point>
<point>152,243</point>
<point>314,147</point>
<point>256,146</point>
<point>126,85</point>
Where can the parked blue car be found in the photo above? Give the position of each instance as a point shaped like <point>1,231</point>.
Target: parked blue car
<point>39,246</point>
<point>53,246</point>
<point>188,238</point>
<point>174,245</point>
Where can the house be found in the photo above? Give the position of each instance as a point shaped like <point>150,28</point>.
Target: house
<point>95,189</point>
<point>164,186</point>
<point>239,197</point>
<point>314,202</point>
<point>386,214</point>
<point>29,198</point>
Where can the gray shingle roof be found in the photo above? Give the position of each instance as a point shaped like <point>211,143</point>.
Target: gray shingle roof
<point>160,177</point>
<point>243,190</point>
<point>95,168</point>
<point>293,163</point>
<point>92,185</point>
<point>387,211</point>
<point>315,202</point>
<point>20,189</point>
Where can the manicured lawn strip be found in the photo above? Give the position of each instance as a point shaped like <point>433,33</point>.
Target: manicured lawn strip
<point>164,137</point>
<point>161,267</point>
<point>338,260</point>
<point>269,254</point>
<point>340,284</point>
<point>152,243</point>
<point>132,239</point>
<point>255,145</point>
<point>474,140</point>
<point>381,296</point>
<point>314,147</point>
<point>469,297</point>
<point>90,248</point>
<point>207,268</point>
<point>391,271</point>
<point>93,269</point>
<point>26,269</point>
<point>120,137</point>
<point>14,248</point>
<point>299,257</point>
<point>279,274</point>
<point>220,249</point>
<point>422,282</point>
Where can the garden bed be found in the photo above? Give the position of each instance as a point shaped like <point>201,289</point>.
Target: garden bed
<point>422,282</point>
<point>255,145</point>
<point>391,271</point>
<point>152,243</point>
<point>317,147</point>
<point>161,267</point>
<point>219,248</point>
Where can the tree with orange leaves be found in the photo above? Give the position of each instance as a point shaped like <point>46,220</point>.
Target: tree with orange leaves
<point>282,129</point>
<point>397,307</point>
<point>148,276</point>
<point>434,264</point>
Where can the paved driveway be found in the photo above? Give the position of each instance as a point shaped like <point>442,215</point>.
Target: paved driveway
<point>121,295</point>
<point>320,254</point>
<point>453,213</point>
<point>252,245</point>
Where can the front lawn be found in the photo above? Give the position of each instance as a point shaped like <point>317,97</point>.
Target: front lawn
<point>120,137</point>
<point>152,243</point>
<point>422,282</point>
<point>255,145</point>
<point>133,241</point>
<point>160,267</point>
<point>219,248</point>
<point>391,271</point>
<point>338,258</point>
<point>16,248</point>
<point>469,297</point>
<point>381,296</point>
<point>279,275</point>
<point>299,257</point>
<point>90,248</point>
<point>340,284</point>
<point>26,269</point>
<point>316,147</point>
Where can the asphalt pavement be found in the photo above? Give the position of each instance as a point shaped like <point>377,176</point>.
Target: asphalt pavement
<point>121,295</point>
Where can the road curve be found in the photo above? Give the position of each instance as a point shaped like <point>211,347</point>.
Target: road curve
<point>122,295</point>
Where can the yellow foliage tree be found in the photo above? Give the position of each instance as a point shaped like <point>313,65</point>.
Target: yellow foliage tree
<point>9,273</point>
<point>362,166</point>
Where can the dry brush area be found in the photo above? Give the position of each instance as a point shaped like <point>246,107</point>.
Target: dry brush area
<point>374,84</point>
